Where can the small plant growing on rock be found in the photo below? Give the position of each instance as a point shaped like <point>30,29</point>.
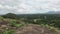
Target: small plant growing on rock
<point>8,32</point>
<point>14,24</point>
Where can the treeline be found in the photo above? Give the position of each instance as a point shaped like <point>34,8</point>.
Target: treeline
<point>50,19</point>
<point>32,16</point>
<point>10,15</point>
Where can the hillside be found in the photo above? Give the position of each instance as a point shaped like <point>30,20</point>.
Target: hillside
<point>13,26</point>
<point>30,24</point>
<point>33,29</point>
<point>26,29</point>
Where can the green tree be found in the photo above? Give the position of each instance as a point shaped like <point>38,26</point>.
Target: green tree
<point>10,15</point>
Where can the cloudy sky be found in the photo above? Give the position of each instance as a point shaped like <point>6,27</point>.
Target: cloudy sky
<point>28,6</point>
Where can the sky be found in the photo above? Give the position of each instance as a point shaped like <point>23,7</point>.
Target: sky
<point>28,6</point>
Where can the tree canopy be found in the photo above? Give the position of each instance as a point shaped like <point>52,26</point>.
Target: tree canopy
<point>10,15</point>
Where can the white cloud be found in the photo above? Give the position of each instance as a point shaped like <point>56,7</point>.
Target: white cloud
<point>7,7</point>
<point>30,6</point>
<point>1,6</point>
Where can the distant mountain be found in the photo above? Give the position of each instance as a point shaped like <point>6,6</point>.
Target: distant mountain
<point>53,12</point>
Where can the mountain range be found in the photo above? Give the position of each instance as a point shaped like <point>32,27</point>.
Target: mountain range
<point>53,12</point>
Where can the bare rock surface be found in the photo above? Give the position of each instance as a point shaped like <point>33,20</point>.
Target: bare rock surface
<point>33,29</point>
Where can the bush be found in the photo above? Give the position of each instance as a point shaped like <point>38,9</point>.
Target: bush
<point>19,25</point>
<point>14,24</point>
<point>1,18</point>
<point>8,32</point>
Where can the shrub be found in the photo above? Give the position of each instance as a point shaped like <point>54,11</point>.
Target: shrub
<point>19,25</point>
<point>8,32</point>
<point>14,24</point>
